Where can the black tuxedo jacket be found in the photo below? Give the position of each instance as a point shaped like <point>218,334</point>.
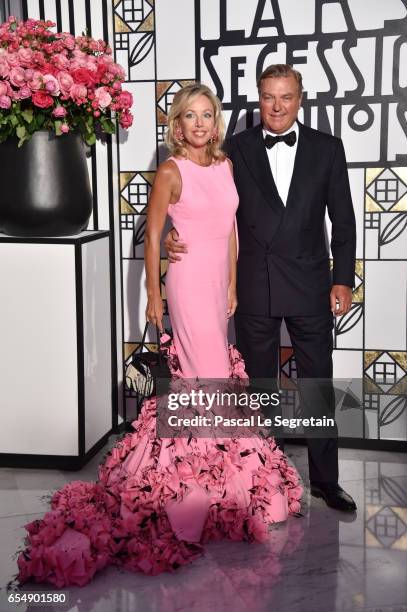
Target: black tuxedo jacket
<point>283,264</point>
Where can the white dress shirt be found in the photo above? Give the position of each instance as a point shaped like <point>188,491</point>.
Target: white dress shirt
<point>281,158</point>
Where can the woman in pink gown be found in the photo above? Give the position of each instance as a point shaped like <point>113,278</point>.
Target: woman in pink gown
<point>158,500</point>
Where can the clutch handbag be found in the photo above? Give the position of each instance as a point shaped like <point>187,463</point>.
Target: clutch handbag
<point>145,367</point>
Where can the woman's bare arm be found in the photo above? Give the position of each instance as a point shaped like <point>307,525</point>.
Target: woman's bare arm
<point>165,189</point>
<point>232,299</point>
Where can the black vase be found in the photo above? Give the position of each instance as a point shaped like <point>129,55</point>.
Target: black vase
<point>45,188</point>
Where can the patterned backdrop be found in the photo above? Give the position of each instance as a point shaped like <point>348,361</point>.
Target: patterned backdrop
<point>349,57</point>
<point>350,53</point>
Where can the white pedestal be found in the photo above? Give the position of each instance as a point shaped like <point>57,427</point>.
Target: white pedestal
<point>56,349</point>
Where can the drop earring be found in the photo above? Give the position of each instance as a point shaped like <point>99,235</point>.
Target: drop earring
<point>213,138</point>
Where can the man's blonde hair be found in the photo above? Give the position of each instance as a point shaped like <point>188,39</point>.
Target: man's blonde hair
<point>280,70</point>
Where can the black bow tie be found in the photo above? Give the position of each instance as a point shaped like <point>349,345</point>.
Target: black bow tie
<point>289,139</point>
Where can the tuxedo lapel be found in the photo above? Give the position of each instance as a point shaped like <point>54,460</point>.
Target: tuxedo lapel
<point>303,167</point>
<point>254,153</point>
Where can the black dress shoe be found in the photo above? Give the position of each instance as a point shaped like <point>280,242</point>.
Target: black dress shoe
<point>333,495</point>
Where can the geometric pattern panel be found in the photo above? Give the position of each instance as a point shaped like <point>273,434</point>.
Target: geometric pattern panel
<point>385,392</point>
<point>134,14</point>
<point>386,213</point>
<point>385,371</point>
<point>135,45</point>
<point>165,92</point>
<point>387,191</point>
<point>135,191</point>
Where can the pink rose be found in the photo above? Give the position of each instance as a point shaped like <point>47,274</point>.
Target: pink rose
<point>91,64</point>
<point>65,82</point>
<point>49,68</point>
<point>38,58</point>
<point>64,128</point>
<point>3,88</point>
<point>59,112</point>
<point>60,61</point>
<point>17,77</point>
<point>73,65</point>
<point>102,97</point>
<point>24,93</point>
<point>10,90</point>
<point>42,99</point>
<point>48,48</point>
<point>98,75</point>
<point>5,101</point>
<point>83,76</point>
<point>35,82</point>
<point>69,41</point>
<point>126,120</point>
<point>117,70</point>
<point>124,100</point>
<point>106,59</point>
<point>4,67</point>
<point>80,59</point>
<point>51,84</point>
<point>13,60</point>
<point>78,93</point>
<point>25,56</point>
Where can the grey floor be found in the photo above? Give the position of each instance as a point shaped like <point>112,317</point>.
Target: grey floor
<point>322,562</point>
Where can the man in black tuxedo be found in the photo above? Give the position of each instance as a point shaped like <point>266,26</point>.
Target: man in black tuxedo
<point>287,175</point>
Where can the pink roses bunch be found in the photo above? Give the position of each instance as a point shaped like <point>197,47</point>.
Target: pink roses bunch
<point>58,81</point>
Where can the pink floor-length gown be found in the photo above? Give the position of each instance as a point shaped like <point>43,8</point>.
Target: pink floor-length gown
<point>196,286</point>
<point>158,500</point>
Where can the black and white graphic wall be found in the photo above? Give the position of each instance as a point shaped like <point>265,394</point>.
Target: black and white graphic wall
<point>351,55</point>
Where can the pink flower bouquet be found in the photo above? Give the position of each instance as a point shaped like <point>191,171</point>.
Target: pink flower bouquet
<point>56,81</point>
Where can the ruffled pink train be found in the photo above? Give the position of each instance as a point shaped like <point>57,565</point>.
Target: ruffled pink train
<point>157,501</point>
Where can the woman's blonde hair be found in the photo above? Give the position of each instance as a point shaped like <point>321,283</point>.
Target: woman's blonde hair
<point>180,101</point>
